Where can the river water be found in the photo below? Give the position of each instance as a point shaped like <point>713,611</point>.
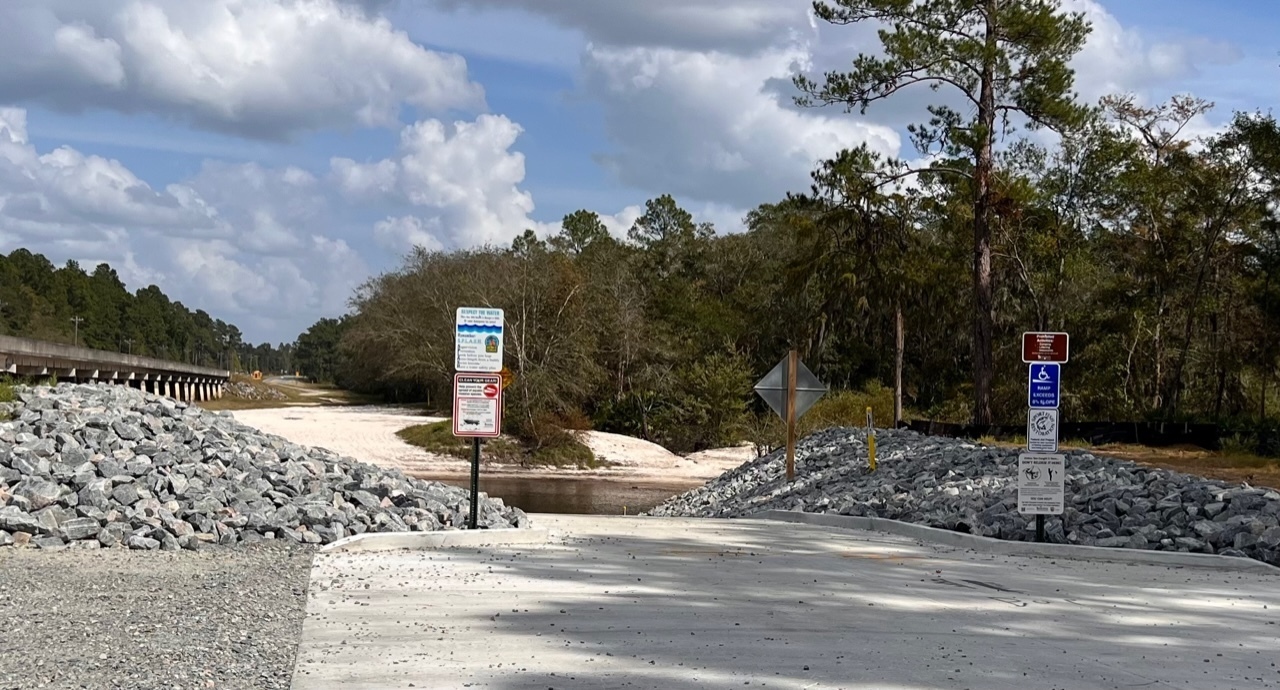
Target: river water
<point>571,495</point>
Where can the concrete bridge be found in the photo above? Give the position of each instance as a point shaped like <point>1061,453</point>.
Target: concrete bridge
<point>187,382</point>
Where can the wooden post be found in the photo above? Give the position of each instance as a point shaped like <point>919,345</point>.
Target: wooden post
<point>793,361</point>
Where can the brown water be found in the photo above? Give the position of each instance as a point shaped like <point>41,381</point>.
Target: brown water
<point>572,496</point>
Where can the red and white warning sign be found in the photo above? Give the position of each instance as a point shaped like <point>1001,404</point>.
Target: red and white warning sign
<point>477,405</point>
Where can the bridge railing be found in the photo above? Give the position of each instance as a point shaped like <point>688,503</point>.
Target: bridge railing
<point>26,352</point>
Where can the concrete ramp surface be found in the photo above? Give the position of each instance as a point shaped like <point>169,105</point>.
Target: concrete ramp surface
<point>675,604</point>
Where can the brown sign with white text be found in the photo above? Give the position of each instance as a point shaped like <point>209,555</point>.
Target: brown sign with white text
<point>1045,347</point>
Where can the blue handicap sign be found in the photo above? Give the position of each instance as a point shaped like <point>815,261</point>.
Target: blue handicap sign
<point>1042,385</point>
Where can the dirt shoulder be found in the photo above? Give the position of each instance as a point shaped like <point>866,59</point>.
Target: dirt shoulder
<point>245,393</point>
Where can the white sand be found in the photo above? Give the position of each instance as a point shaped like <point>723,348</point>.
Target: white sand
<point>369,434</point>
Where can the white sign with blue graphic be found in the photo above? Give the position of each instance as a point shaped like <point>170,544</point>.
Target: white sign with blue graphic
<point>1042,386</point>
<point>477,344</point>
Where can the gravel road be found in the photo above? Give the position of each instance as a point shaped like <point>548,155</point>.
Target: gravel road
<point>222,618</point>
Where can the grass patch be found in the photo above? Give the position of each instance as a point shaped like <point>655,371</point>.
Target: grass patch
<point>7,393</point>
<point>575,454</point>
<point>438,438</point>
<point>1015,440</point>
<point>1228,464</point>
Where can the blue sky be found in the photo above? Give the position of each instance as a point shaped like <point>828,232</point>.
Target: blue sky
<point>261,158</point>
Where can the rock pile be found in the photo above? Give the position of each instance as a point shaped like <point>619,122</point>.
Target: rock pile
<point>248,391</point>
<point>957,485</point>
<point>108,465</point>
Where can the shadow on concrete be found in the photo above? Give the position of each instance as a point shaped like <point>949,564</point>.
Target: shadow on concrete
<point>675,604</point>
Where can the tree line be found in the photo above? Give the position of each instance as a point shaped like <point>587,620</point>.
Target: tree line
<point>1155,250</point>
<point>65,304</point>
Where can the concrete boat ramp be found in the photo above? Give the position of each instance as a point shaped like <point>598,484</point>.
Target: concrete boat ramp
<point>674,604</point>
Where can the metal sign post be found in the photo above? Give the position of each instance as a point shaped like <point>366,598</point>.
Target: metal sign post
<point>1041,487</point>
<point>477,414</point>
<point>477,386</point>
<point>793,358</point>
<point>871,441</point>
<point>790,389</point>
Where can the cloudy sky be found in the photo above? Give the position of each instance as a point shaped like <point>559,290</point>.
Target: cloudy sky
<point>261,158</point>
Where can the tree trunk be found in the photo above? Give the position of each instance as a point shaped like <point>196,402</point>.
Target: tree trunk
<point>984,300</point>
<point>1220,393</point>
<point>897,363</point>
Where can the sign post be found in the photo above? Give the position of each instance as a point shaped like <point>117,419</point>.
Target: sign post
<point>1041,486</point>
<point>871,440</point>
<point>477,414</point>
<point>477,386</point>
<point>790,389</point>
<point>1041,478</point>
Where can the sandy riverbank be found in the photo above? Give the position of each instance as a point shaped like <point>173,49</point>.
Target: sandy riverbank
<point>369,434</point>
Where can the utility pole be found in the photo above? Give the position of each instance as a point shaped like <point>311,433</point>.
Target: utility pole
<point>76,320</point>
<point>129,342</point>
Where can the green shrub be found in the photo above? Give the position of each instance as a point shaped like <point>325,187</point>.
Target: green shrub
<point>849,408</point>
<point>436,438</point>
<point>559,449</point>
<point>569,452</point>
<point>840,408</point>
<point>709,408</point>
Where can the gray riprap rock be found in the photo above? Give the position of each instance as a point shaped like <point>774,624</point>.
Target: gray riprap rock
<point>108,466</point>
<point>80,528</point>
<point>126,431</point>
<point>960,485</point>
<point>141,543</point>
<point>49,542</point>
<point>13,519</point>
<point>125,495</point>
<point>39,492</point>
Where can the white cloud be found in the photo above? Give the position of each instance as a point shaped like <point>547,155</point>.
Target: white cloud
<point>1116,59</point>
<point>696,94</point>
<point>702,125</point>
<point>258,68</point>
<point>619,223</point>
<point>406,232</point>
<point>742,27</point>
<point>232,240</point>
<point>270,249</point>
<point>65,193</point>
<point>465,176</point>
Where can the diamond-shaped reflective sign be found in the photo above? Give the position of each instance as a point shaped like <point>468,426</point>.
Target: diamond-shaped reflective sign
<point>773,388</point>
